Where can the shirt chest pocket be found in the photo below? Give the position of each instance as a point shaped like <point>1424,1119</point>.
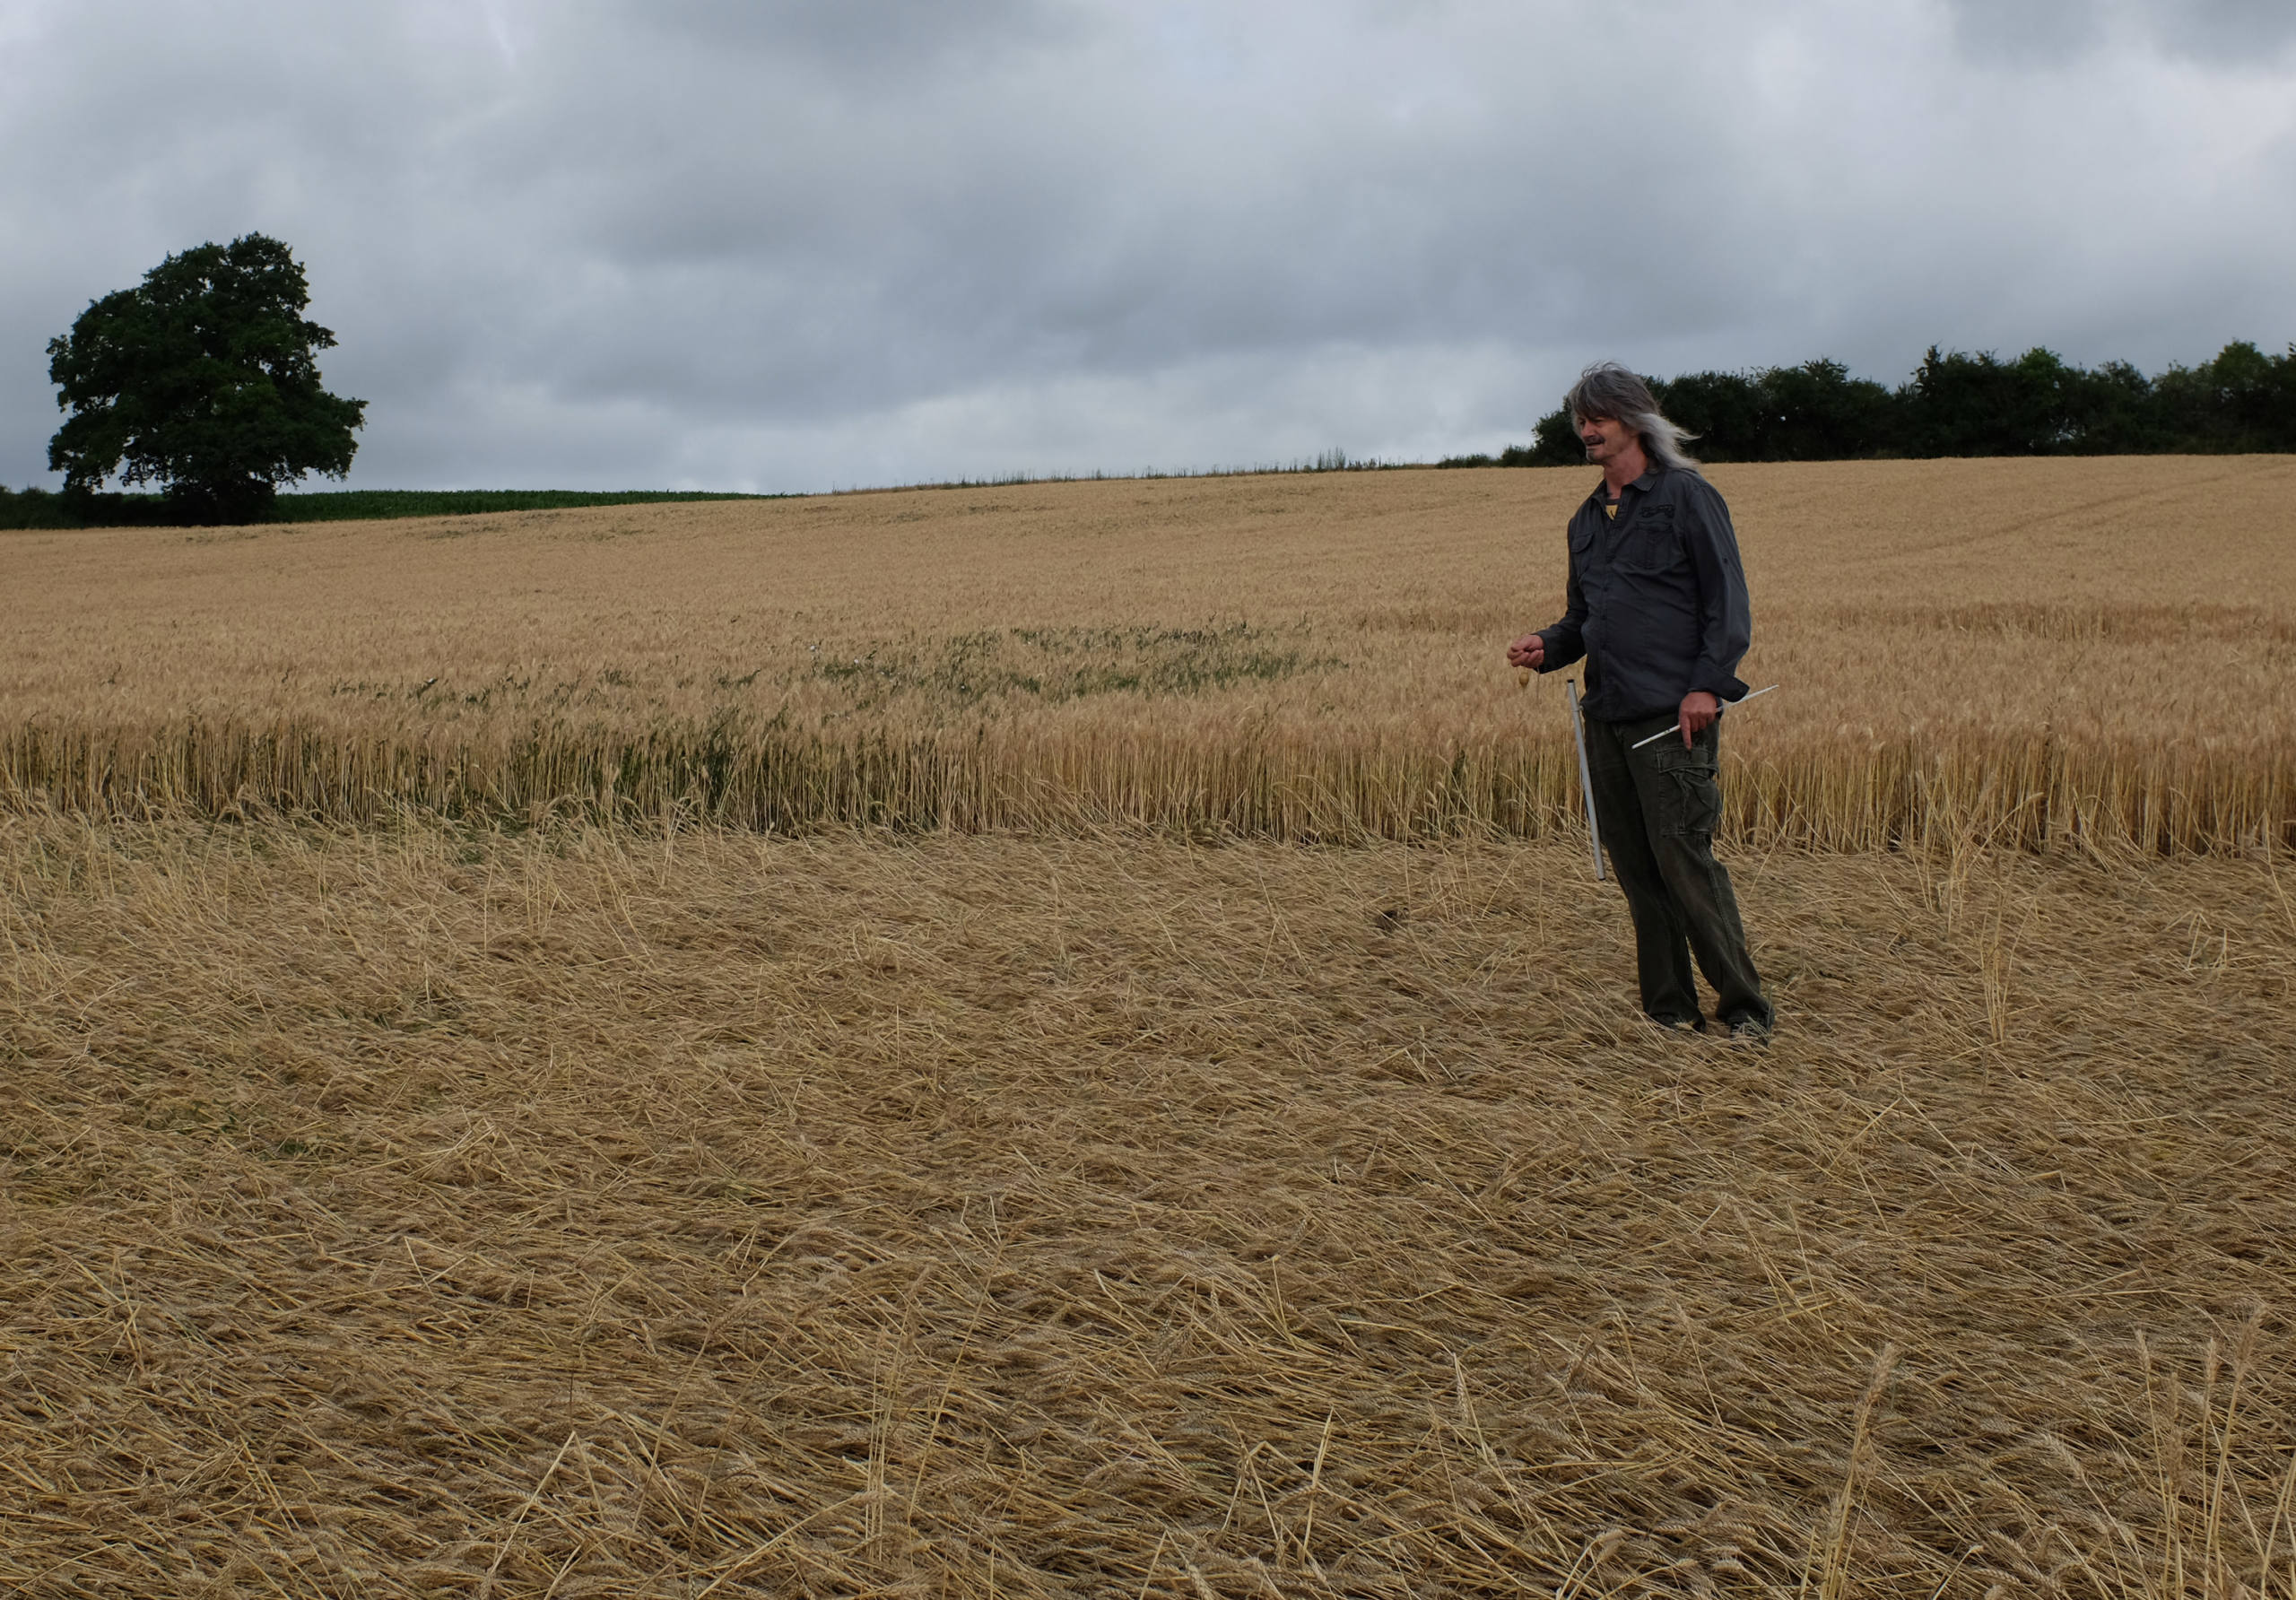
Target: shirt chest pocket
<point>1651,542</point>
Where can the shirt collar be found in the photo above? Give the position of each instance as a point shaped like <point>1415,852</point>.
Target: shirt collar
<point>1642,485</point>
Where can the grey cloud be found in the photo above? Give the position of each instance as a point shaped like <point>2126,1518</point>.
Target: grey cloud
<point>787,245</point>
<point>869,38</point>
<point>2024,32</point>
<point>2056,32</point>
<point>2222,32</point>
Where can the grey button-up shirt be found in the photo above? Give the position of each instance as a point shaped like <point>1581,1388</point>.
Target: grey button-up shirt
<point>1657,599</point>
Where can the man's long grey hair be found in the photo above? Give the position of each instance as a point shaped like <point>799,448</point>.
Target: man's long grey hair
<point>1608,392</point>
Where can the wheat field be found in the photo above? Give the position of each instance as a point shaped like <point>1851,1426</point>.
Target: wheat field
<point>2025,652</point>
<point>1058,1040</point>
<point>426,1211</point>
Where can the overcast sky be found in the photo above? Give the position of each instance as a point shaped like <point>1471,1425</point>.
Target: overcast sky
<point>805,244</point>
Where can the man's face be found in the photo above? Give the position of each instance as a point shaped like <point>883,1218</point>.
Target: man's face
<point>1605,437</point>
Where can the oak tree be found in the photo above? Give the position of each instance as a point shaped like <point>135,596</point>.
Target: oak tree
<point>203,380</point>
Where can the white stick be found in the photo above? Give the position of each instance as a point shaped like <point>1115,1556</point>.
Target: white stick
<point>1677,729</point>
<point>1586,775</point>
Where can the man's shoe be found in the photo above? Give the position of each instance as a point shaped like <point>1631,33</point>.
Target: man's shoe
<point>1677,1024</point>
<point>1748,1031</point>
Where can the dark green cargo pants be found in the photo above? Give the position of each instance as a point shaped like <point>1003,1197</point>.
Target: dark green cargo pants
<point>1657,807</point>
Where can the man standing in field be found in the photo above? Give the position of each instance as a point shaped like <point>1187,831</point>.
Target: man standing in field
<point>1658,606</point>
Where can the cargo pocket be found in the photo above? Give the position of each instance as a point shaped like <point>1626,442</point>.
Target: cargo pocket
<point>1690,794</point>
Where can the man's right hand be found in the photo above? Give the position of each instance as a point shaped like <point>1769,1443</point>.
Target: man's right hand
<point>1530,651</point>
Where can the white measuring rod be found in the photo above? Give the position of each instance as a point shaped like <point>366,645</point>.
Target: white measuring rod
<point>1677,729</point>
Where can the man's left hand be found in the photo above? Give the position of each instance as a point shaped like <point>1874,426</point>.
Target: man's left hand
<point>1699,710</point>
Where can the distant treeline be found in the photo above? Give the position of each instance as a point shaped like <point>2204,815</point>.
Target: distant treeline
<point>1957,404</point>
<point>2242,401</point>
<point>38,507</point>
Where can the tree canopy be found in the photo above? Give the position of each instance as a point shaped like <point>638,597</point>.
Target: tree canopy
<point>203,380</point>
<point>1960,404</point>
